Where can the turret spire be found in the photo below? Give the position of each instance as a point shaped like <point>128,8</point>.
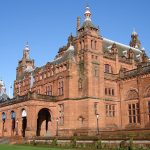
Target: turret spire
<point>87,14</point>
<point>135,42</point>
<point>26,51</point>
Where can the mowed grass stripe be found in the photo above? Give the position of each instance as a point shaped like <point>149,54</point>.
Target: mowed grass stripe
<point>23,147</point>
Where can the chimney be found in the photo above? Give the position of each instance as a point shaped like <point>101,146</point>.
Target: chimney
<point>78,23</point>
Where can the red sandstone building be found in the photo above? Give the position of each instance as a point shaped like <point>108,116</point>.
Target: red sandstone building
<point>93,85</point>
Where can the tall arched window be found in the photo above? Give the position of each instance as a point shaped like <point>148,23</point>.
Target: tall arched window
<point>13,115</point>
<point>60,87</point>
<point>3,116</point>
<point>24,113</point>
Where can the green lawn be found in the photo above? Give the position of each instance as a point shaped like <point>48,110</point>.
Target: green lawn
<point>23,147</point>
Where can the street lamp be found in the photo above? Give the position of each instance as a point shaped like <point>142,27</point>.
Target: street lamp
<point>97,117</point>
<point>17,127</point>
<point>57,127</point>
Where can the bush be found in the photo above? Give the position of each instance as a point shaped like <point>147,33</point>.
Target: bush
<point>98,144</point>
<point>54,142</point>
<point>131,144</point>
<point>73,142</point>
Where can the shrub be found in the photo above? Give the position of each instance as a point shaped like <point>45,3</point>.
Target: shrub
<point>54,142</point>
<point>131,144</point>
<point>73,142</point>
<point>98,144</point>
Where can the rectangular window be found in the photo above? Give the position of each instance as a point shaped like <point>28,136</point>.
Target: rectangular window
<point>105,91</point>
<point>95,45</point>
<point>110,110</point>
<point>109,91</point>
<point>113,92</point>
<point>106,68</point>
<point>134,113</point>
<point>49,90</point>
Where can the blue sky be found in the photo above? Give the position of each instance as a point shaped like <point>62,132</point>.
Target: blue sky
<point>46,25</point>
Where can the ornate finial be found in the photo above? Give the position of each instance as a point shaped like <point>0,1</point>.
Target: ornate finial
<point>87,14</point>
<point>134,32</point>
<point>26,51</point>
<point>26,46</point>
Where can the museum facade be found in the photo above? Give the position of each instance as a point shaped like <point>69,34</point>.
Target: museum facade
<point>94,84</point>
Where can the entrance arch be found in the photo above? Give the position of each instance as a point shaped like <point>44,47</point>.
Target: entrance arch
<point>24,121</point>
<point>43,119</point>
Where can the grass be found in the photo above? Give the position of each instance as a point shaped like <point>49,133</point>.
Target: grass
<point>23,147</point>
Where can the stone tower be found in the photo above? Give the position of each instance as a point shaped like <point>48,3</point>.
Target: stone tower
<point>88,44</point>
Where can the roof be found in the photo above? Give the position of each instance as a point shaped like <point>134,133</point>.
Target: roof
<point>4,97</point>
<point>88,23</point>
<point>69,53</point>
<point>121,47</point>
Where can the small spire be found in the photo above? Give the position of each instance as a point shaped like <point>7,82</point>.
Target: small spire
<point>26,51</point>
<point>26,46</point>
<point>87,14</point>
<point>134,32</point>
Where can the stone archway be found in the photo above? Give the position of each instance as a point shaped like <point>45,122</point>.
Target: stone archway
<point>43,119</point>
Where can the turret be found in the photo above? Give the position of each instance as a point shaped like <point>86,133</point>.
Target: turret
<point>87,26</point>
<point>135,42</point>
<point>25,64</point>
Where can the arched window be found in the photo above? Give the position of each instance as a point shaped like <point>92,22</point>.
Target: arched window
<point>3,116</point>
<point>60,87</point>
<point>107,68</point>
<point>24,113</point>
<point>132,94</point>
<point>13,115</point>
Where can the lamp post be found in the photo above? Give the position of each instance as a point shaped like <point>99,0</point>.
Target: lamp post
<point>57,127</point>
<point>97,117</point>
<point>17,127</point>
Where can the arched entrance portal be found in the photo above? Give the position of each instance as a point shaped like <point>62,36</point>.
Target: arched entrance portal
<point>42,122</point>
<point>24,122</point>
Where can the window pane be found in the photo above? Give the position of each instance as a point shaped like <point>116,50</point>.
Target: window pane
<point>130,119</point>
